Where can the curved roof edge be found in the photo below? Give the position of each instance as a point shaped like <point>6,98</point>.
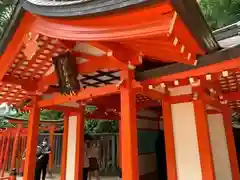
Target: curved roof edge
<point>12,27</point>
<point>82,8</point>
<point>188,10</point>
<point>193,18</point>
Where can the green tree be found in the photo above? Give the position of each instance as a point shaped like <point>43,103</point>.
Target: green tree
<point>6,12</point>
<point>44,115</point>
<point>219,13</point>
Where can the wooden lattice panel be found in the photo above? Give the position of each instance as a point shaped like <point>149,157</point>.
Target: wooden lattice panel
<point>99,78</point>
<point>234,104</point>
<point>230,83</point>
<point>12,94</point>
<point>41,62</point>
<point>141,99</point>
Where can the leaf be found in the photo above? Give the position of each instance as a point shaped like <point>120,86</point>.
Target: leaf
<point>220,13</point>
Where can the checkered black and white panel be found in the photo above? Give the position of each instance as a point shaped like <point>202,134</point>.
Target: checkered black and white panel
<point>99,78</point>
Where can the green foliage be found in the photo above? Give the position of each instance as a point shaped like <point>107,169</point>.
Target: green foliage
<point>44,115</point>
<point>105,126</point>
<point>4,123</point>
<point>90,126</point>
<point>6,12</point>
<point>219,13</point>
<point>50,115</point>
<point>101,126</point>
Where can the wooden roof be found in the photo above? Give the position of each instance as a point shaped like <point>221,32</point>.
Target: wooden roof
<point>222,66</point>
<point>103,45</point>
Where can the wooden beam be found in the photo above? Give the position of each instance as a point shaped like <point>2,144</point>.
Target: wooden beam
<point>80,150</point>
<point>64,147</point>
<point>204,142</point>
<point>51,142</point>
<point>192,18</point>
<point>84,94</point>
<point>28,85</point>
<point>211,63</point>
<point>128,129</point>
<point>15,45</point>
<point>231,96</point>
<point>15,146</point>
<point>30,163</point>
<point>96,63</point>
<point>155,95</point>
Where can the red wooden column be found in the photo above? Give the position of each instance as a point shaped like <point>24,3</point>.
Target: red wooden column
<point>128,126</point>
<point>32,139</point>
<point>64,147</point>
<point>204,143</point>
<point>51,158</point>
<point>23,148</point>
<point>15,146</point>
<point>169,141</point>
<point>79,161</point>
<point>2,148</point>
<point>227,120</point>
<point>6,155</point>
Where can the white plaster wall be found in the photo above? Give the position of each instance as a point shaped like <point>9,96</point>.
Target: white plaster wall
<point>72,130</point>
<point>186,143</point>
<point>219,147</point>
<point>147,163</point>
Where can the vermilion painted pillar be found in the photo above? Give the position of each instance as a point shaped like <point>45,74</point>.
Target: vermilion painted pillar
<point>15,146</point>
<point>204,142</point>
<point>19,154</point>
<point>79,153</point>
<point>23,148</point>
<point>51,158</point>
<point>2,148</point>
<point>32,139</point>
<point>64,147</point>
<point>169,141</point>
<point>128,128</point>
<point>227,121</point>
<point>6,154</point>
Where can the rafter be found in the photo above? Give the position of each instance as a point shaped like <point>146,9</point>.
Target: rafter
<point>15,45</point>
<point>82,95</point>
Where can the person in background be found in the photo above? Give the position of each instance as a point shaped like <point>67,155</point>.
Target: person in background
<point>44,158</point>
<point>93,155</point>
<point>86,160</point>
<point>38,162</point>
